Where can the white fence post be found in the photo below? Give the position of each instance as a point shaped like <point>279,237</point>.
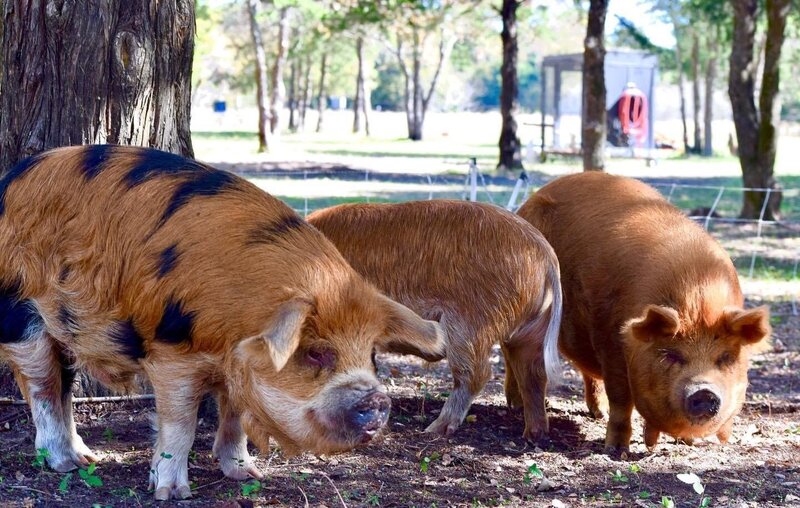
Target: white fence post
<point>473,179</point>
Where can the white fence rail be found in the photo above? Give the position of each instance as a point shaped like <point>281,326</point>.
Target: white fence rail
<point>766,252</point>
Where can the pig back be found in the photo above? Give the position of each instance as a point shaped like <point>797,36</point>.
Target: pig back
<point>622,246</point>
<point>472,260</point>
<point>109,236</point>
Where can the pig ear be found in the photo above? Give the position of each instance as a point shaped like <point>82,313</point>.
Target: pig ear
<point>407,333</point>
<point>282,333</point>
<point>656,321</point>
<point>751,325</point>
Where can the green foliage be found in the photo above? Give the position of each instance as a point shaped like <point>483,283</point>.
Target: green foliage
<point>426,461</point>
<point>41,458</point>
<point>533,471</point>
<point>618,477</point>
<point>63,485</point>
<point>88,476</point>
<point>251,488</point>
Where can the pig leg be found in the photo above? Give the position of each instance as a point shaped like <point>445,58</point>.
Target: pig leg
<point>595,395</point>
<point>178,389</point>
<point>527,360</point>
<point>724,432</point>
<point>45,379</point>
<point>651,435</point>
<point>230,444</point>
<point>513,396</point>
<point>469,362</point>
<point>618,430</point>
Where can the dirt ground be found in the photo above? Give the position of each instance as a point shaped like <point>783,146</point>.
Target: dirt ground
<point>486,463</point>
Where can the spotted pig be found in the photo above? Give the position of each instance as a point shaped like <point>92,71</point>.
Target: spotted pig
<point>653,312</point>
<point>488,276</point>
<point>123,261</point>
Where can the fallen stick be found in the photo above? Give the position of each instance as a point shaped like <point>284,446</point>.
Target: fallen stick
<point>9,401</point>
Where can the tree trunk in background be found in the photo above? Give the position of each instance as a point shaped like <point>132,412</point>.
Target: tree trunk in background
<point>417,110</point>
<point>322,98</point>
<point>510,147</point>
<point>711,76</point>
<point>696,92</point>
<point>756,128</point>
<point>681,82</point>
<point>293,77</point>
<point>95,72</point>
<point>417,99</point>
<point>367,106</point>
<point>261,76</point>
<point>358,102</point>
<point>594,89</point>
<point>305,96</point>
<point>277,86</point>
<point>110,71</point>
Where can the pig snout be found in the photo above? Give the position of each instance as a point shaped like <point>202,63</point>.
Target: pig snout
<point>369,415</point>
<point>702,403</point>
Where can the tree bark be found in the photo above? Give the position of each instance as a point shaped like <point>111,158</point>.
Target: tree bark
<point>277,87</point>
<point>594,89</point>
<point>111,71</point>
<point>322,98</point>
<point>261,76</point>
<point>696,148</point>
<point>95,72</point>
<point>756,128</point>
<point>708,113</point>
<point>510,146</point>
<point>358,102</point>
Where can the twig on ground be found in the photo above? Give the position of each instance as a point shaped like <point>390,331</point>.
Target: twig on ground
<point>23,487</point>
<point>210,484</point>
<point>9,401</point>
<point>334,488</point>
<point>304,496</point>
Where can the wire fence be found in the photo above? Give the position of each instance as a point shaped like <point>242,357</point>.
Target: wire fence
<point>765,252</point>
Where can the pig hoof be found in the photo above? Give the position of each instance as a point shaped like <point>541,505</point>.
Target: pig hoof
<point>167,493</point>
<point>538,437</point>
<point>597,413</point>
<point>617,452</point>
<point>240,469</point>
<point>443,428</point>
<point>77,456</point>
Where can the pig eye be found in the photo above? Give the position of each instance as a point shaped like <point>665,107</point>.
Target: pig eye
<point>672,357</point>
<point>321,358</point>
<point>724,360</point>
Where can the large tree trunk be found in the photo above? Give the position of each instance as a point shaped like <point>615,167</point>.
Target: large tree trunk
<point>594,88</point>
<point>510,147</point>
<point>358,102</point>
<point>277,87</point>
<point>322,94</point>
<point>696,92</point>
<point>711,75</point>
<point>261,76</point>
<point>756,128</point>
<point>111,71</point>
<point>95,72</point>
